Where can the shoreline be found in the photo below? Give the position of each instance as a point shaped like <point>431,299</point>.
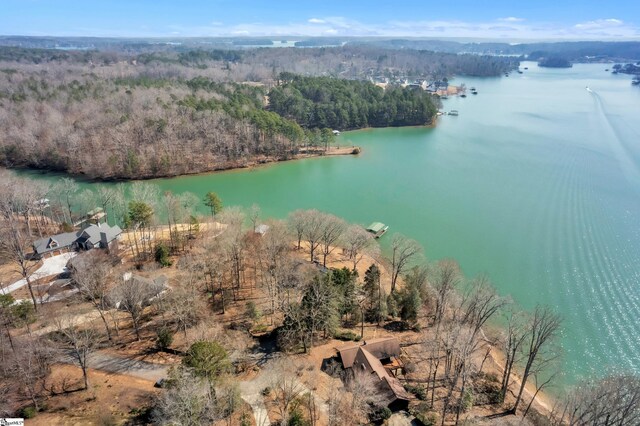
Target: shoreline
<point>543,401</point>
<point>255,163</point>
<point>249,165</point>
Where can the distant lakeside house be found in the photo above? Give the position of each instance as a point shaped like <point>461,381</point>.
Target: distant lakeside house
<point>94,236</point>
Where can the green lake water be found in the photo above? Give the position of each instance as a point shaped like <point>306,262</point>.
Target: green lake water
<point>536,183</point>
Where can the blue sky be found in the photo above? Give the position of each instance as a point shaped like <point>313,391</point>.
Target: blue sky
<point>509,20</point>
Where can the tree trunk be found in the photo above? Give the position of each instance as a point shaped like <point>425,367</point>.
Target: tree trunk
<point>33,297</point>
<point>85,376</point>
<point>525,377</point>
<point>135,326</point>
<point>106,324</point>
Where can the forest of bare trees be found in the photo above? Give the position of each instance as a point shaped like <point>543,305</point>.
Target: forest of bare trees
<point>116,115</point>
<point>305,281</point>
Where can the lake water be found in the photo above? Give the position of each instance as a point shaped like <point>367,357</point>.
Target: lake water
<point>536,183</point>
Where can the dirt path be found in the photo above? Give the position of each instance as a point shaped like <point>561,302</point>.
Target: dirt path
<point>126,366</point>
<point>251,392</point>
<point>77,320</point>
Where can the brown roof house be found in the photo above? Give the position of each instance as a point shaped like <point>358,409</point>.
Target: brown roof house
<point>379,357</point>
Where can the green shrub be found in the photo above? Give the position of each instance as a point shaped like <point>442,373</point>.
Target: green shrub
<point>418,390</point>
<point>162,255</point>
<point>381,413</point>
<point>207,359</point>
<point>296,418</point>
<point>428,418</point>
<point>467,400</point>
<point>260,328</point>
<point>164,339</point>
<point>347,335</point>
<point>252,312</point>
<point>28,412</point>
<point>24,313</point>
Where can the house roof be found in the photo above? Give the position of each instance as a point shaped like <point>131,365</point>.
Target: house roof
<point>92,233</point>
<point>64,240</point>
<point>152,288</point>
<point>44,245</point>
<point>383,347</point>
<point>376,227</point>
<point>369,363</point>
<point>367,357</point>
<point>95,211</point>
<point>396,388</point>
<point>262,229</point>
<point>348,354</point>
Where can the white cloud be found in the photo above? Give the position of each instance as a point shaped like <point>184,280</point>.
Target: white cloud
<point>505,29</point>
<point>599,24</point>
<point>511,19</point>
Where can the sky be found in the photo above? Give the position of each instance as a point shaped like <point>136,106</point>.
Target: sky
<point>481,19</point>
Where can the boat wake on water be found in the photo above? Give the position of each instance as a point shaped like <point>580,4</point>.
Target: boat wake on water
<point>625,159</point>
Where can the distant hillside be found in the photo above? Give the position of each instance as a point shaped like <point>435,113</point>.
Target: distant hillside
<point>574,51</point>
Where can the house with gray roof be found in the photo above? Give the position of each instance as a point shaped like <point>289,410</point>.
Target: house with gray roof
<point>94,236</point>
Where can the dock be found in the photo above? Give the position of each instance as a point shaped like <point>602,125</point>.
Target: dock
<point>378,229</point>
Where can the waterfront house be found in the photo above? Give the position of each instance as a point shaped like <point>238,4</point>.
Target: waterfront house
<point>94,236</point>
<point>378,357</point>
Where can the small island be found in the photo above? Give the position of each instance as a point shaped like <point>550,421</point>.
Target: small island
<point>554,62</point>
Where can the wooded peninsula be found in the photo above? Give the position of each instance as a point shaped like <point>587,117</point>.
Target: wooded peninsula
<point>117,115</point>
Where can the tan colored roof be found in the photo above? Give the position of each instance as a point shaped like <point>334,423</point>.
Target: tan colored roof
<point>383,347</point>
<point>369,363</point>
<point>367,357</point>
<point>348,354</point>
<point>396,387</point>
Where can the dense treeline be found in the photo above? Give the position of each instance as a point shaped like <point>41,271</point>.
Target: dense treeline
<point>116,114</point>
<point>136,127</point>
<point>575,51</point>
<point>554,62</point>
<point>348,104</point>
<point>260,64</point>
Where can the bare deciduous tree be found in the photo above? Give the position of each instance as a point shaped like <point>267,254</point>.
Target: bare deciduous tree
<point>15,247</point>
<point>613,400</point>
<point>30,366</point>
<point>332,229</point>
<point>132,296</point>
<point>297,223</point>
<point>358,243</point>
<point>79,342</point>
<point>312,231</point>
<point>183,306</point>
<point>544,328</point>
<point>191,400</point>
<point>92,274</point>
<point>403,251</point>
<point>286,387</point>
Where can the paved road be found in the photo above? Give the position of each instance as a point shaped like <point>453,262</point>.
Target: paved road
<point>50,266</point>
